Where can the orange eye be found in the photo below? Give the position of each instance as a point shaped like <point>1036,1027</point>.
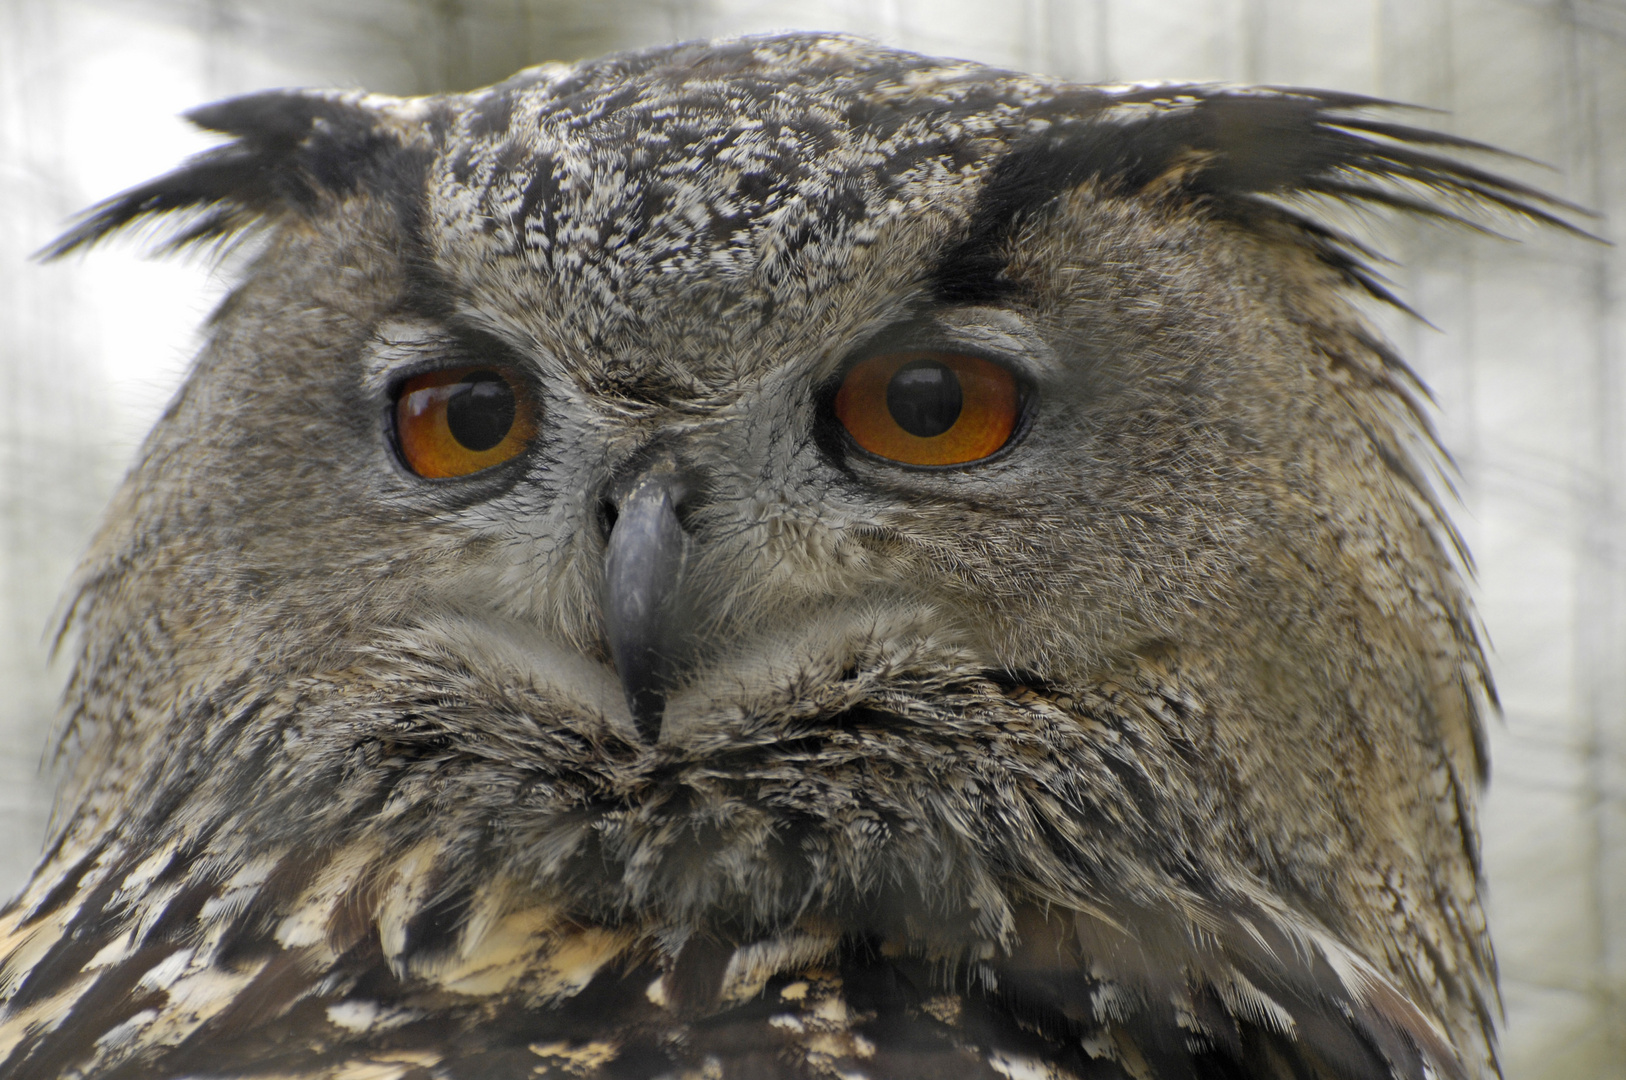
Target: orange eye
<point>929,408</point>
<point>461,420</point>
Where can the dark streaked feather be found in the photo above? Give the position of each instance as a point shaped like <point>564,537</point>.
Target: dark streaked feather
<point>307,983</point>
<point>289,149</point>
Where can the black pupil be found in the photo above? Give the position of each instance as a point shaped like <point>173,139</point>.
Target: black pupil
<point>924,398</point>
<point>481,410</point>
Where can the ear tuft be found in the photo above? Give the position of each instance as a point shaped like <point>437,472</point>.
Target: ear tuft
<point>289,148</point>
<point>1255,156</point>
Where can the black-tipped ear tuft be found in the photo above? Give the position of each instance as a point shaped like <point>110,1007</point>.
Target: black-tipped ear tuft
<point>1249,155</point>
<point>289,148</point>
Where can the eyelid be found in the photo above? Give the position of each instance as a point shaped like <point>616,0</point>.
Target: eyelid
<point>403,348</point>
<point>1029,359</point>
<point>995,334</point>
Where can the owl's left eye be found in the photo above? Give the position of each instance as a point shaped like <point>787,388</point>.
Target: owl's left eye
<point>462,420</point>
<point>929,408</point>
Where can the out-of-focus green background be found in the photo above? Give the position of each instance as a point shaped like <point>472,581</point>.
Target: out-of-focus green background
<point>1527,361</point>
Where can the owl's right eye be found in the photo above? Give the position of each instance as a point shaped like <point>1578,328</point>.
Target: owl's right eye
<point>461,420</point>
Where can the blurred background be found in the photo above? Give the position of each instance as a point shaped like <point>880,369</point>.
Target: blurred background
<point>1526,352</point>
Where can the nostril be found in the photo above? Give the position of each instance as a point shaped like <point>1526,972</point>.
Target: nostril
<point>684,510</point>
<point>607,515</point>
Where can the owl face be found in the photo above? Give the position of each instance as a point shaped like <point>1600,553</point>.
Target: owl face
<point>792,485</point>
<point>672,389</point>
<point>716,275</point>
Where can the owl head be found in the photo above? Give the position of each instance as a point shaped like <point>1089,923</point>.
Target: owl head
<point>791,485</point>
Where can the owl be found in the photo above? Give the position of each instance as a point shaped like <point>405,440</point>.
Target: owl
<point>776,558</point>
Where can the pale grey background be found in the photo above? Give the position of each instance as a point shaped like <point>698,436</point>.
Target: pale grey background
<point>1526,361</point>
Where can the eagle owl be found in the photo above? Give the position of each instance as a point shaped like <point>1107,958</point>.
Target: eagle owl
<point>776,558</point>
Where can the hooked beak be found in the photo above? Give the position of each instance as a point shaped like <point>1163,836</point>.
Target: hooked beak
<point>643,568</point>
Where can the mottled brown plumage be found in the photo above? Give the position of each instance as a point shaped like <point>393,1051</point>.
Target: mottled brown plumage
<point>1145,747</point>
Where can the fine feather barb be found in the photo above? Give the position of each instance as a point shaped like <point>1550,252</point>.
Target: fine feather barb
<point>1303,140</point>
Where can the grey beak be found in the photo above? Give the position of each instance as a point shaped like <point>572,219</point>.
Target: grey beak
<point>642,571</point>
